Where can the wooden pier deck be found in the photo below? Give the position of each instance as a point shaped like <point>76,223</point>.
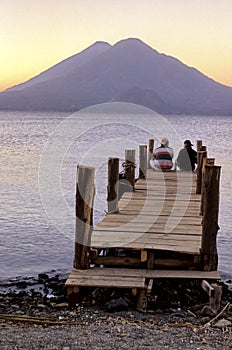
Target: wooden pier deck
<point>165,226</point>
<point>163,213</point>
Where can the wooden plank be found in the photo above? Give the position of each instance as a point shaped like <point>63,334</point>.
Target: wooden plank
<point>97,271</point>
<point>119,220</point>
<point>117,283</point>
<point>149,287</point>
<point>143,256</point>
<point>124,261</point>
<point>169,236</point>
<point>163,212</point>
<point>160,202</point>
<point>161,196</point>
<point>163,217</point>
<point>195,250</point>
<point>145,228</point>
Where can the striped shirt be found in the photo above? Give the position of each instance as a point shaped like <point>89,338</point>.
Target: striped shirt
<point>163,158</point>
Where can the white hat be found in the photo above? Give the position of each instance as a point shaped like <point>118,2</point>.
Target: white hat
<point>164,141</point>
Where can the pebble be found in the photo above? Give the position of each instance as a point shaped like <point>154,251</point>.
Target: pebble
<point>223,323</point>
<point>168,325</point>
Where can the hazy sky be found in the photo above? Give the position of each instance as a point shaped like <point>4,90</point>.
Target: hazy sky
<point>36,34</point>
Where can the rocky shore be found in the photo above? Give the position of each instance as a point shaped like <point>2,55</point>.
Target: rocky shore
<point>34,314</point>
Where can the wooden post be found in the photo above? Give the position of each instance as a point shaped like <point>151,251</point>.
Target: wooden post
<point>142,161</point>
<point>209,161</point>
<point>203,148</point>
<point>84,216</point>
<point>142,300</point>
<point>150,259</point>
<point>150,152</point>
<point>113,182</point>
<point>130,166</point>
<point>200,156</point>
<point>215,302</point>
<point>199,144</point>
<point>211,180</point>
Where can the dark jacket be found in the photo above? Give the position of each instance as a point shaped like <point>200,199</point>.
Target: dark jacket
<point>187,158</point>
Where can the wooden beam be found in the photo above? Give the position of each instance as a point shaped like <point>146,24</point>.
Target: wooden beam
<point>209,161</point>
<point>113,182</point>
<point>143,256</point>
<point>150,259</point>
<point>117,261</point>
<point>130,167</point>
<point>134,292</point>
<point>200,156</point>
<point>149,287</point>
<point>84,216</point>
<point>72,294</point>
<point>211,181</point>
<point>215,301</point>
<point>142,301</point>
<point>199,144</point>
<point>150,152</point>
<point>142,161</point>
<point>123,261</point>
<point>95,272</point>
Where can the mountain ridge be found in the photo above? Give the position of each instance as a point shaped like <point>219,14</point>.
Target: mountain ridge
<point>130,69</point>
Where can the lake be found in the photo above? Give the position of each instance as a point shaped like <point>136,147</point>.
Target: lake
<point>39,153</point>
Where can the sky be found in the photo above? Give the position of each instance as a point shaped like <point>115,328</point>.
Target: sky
<point>36,34</point>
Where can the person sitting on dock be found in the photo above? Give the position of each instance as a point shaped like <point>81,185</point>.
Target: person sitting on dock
<point>187,157</point>
<point>162,157</point>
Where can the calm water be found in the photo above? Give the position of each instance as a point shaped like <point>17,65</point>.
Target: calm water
<point>39,153</point>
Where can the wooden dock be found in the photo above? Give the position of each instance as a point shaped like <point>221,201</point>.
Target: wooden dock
<point>160,228</point>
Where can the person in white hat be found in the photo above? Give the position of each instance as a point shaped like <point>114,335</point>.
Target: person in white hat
<point>162,157</point>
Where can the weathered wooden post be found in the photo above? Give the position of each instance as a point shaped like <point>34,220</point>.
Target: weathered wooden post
<point>150,152</point>
<point>130,167</point>
<point>211,182</point>
<point>142,161</point>
<point>113,184</point>
<point>199,144</point>
<point>200,156</point>
<point>209,161</point>
<point>84,216</point>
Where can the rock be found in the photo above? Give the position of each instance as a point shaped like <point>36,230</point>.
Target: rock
<point>223,323</point>
<point>42,306</point>
<point>116,305</point>
<point>21,284</point>
<point>43,277</point>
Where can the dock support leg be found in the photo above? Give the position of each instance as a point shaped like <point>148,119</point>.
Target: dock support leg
<point>150,259</point>
<point>142,300</point>
<point>211,180</point>
<point>142,162</point>
<point>130,167</point>
<point>215,302</point>
<point>84,216</point>
<point>150,152</point>
<point>113,183</point>
<point>72,294</point>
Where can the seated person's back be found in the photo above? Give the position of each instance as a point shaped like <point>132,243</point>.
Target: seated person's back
<point>163,156</point>
<point>187,157</point>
